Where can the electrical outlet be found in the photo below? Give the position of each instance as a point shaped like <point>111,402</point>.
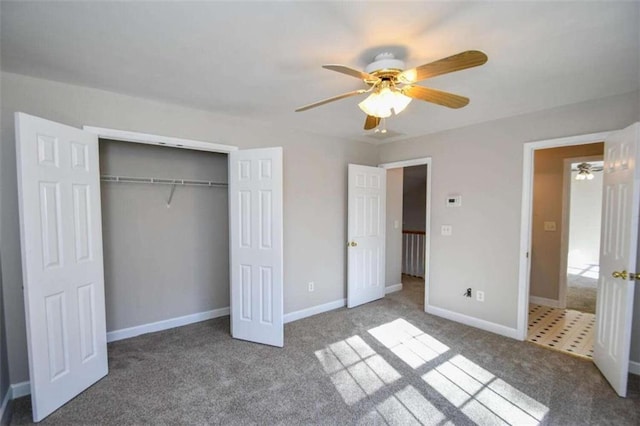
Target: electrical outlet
<point>446,230</point>
<point>311,285</point>
<point>480,296</point>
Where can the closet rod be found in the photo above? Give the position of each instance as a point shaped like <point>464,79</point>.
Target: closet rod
<point>160,181</point>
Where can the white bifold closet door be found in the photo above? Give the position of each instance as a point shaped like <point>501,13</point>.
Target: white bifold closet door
<point>256,228</point>
<point>62,267</point>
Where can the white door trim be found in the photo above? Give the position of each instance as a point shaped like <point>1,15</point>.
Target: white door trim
<point>525,216</point>
<point>149,139</point>
<point>427,237</point>
<point>566,225</point>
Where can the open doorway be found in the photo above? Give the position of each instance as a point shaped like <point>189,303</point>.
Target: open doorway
<point>583,246</point>
<point>567,199</point>
<point>407,238</point>
<point>614,317</point>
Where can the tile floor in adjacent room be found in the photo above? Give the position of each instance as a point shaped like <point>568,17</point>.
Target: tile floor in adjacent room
<point>563,330</point>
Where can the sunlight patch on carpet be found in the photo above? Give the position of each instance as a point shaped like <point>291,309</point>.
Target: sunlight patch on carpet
<point>408,342</point>
<point>355,369</point>
<point>481,396</point>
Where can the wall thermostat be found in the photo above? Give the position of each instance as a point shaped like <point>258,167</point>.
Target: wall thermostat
<point>454,200</point>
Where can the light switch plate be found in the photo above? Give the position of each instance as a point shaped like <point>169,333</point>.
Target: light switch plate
<point>446,230</point>
<point>550,226</point>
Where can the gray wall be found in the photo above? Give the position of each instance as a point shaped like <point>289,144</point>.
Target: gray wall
<point>315,180</point>
<point>394,235</point>
<point>483,163</point>
<point>548,189</point>
<point>414,198</point>
<point>161,262</point>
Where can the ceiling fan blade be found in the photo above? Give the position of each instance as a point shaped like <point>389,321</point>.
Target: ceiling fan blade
<point>461,61</point>
<point>335,98</point>
<point>351,71</point>
<point>435,96</point>
<point>371,122</point>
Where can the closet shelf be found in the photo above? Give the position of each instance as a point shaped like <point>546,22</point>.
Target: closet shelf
<point>161,181</point>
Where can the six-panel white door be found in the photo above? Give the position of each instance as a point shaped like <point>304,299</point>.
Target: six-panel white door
<point>61,236</point>
<point>618,251</point>
<point>256,256</point>
<point>366,234</point>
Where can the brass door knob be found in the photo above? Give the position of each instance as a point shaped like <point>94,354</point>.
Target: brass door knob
<point>624,274</point>
<point>353,244</point>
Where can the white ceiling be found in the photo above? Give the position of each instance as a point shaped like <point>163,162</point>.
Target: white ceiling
<point>262,60</point>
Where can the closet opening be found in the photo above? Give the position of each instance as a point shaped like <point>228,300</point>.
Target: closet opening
<point>165,227</point>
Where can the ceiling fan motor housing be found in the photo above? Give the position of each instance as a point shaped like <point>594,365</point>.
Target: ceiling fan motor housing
<point>384,61</point>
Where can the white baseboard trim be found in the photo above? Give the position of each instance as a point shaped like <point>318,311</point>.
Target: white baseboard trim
<point>314,310</point>
<point>473,322</point>
<point>634,367</point>
<point>126,333</point>
<point>18,390</point>
<point>3,407</point>
<point>393,288</point>
<point>544,301</point>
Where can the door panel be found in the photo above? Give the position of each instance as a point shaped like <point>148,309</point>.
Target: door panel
<point>620,208</point>
<point>61,237</point>
<point>256,255</point>
<point>366,234</point>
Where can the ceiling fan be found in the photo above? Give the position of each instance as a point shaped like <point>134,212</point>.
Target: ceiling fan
<point>585,170</point>
<point>391,87</point>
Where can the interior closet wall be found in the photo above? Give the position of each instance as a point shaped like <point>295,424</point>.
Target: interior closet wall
<point>163,262</point>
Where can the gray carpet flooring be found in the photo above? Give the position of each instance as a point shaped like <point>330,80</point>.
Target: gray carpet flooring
<point>581,293</point>
<point>382,363</point>
<point>412,293</point>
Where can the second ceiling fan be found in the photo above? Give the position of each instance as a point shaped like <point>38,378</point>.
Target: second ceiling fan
<point>391,87</point>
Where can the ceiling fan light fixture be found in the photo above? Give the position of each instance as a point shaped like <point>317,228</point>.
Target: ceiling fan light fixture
<point>384,102</point>
<point>584,172</point>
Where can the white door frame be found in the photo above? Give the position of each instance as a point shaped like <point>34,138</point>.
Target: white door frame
<point>566,224</point>
<point>526,216</point>
<point>149,139</point>
<point>167,141</point>
<point>427,237</point>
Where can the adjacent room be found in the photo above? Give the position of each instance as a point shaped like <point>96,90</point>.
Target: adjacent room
<point>565,249</point>
<point>319,212</point>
